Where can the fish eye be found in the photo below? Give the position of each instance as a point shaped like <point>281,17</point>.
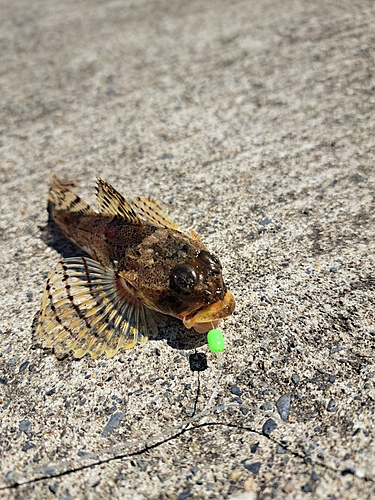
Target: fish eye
<point>210,260</point>
<point>184,277</point>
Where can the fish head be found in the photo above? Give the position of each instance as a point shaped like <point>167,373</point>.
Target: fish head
<point>200,285</point>
<point>178,276</point>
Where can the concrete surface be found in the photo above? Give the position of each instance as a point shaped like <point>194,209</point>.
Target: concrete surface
<point>254,122</point>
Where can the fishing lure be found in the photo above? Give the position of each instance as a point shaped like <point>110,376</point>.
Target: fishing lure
<point>141,268</point>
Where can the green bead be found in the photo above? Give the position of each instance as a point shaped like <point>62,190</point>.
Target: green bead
<point>215,341</point>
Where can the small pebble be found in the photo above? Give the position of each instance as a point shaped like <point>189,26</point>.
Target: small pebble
<point>332,379</point>
<point>184,494</point>
<point>283,406</point>
<point>280,450</point>
<point>142,464</point>
<point>269,426</point>
<point>307,488</point>
<point>244,410</point>
<point>82,453</point>
<point>113,422</point>
<point>253,467</point>
<point>23,366</point>
<point>332,406</point>
<point>254,447</point>
<point>53,488</point>
<point>24,426</point>
<point>10,475</point>
<point>349,470</point>
<point>235,474</point>
<point>288,488</point>
<point>266,406</point>
<point>235,390</point>
<point>47,470</point>
<point>28,445</point>
<point>336,349</point>
<point>295,378</point>
<point>237,400</point>
<point>13,360</point>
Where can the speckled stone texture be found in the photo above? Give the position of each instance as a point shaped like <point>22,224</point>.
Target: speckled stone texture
<point>254,122</point>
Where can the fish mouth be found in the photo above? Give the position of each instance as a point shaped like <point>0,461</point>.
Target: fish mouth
<point>206,318</point>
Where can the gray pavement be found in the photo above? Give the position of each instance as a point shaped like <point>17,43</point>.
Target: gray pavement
<point>254,123</point>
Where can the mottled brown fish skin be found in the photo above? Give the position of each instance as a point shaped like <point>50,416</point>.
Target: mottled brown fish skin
<point>170,272</point>
<point>105,239</point>
<point>145,256</point>
<point>149,267</point>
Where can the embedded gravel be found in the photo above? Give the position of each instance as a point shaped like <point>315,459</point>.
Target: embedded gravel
<point>254,123</point>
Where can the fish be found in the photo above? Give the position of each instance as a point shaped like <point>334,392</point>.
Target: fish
<point>140,269</point>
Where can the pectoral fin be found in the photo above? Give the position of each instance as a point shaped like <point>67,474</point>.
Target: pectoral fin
<point>88,309</point>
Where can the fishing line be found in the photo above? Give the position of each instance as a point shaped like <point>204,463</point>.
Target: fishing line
<point>132,447</point>
<point>216,344</point>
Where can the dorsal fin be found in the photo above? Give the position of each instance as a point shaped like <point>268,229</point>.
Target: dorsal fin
<point>63,198</point>
<point>151,211</point>
<point>113,203</point>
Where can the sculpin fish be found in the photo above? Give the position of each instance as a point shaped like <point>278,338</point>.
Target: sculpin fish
<point>141,267</point>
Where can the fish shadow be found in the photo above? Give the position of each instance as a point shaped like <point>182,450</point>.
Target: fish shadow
<point>54,238</point>
<point>178,337</point>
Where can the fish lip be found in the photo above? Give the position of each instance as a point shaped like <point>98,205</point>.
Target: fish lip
<point>212,313</point>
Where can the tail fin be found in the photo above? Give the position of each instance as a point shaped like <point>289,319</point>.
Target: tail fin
<point>62,198</point>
